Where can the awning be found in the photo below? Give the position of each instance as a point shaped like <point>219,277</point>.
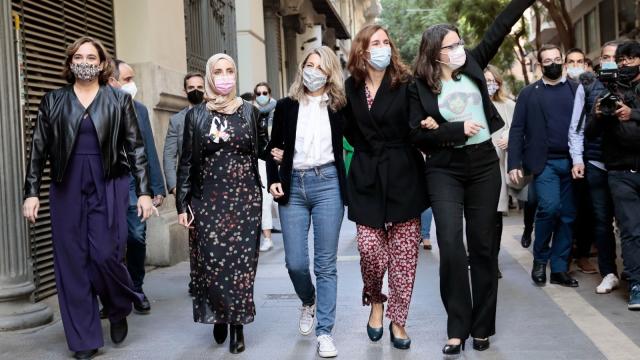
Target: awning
<point>326,8</point>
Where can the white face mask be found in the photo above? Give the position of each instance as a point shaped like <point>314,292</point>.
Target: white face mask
<point>492,88</point>
<point>313,79</point>
<point>575,72</point>
<point>130,88</point>
<point>457,58</point>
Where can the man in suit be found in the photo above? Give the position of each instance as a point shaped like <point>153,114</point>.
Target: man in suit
<point>123,79</point>
<point>538,145</point>
<point>193,85</point>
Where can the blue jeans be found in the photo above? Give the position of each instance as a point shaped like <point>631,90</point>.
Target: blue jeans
<point>625,191</point>
<point>555,215</point>
<point>602,206</point>
<point>136,241</point>
<point>425,219</point>
<point>314,196</point>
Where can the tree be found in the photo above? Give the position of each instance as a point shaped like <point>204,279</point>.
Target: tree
<point>557,11</point>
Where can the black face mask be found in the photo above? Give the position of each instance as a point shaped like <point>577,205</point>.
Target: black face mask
<point>195,96</point>
<point>627,74</point>
<point>552,71</point>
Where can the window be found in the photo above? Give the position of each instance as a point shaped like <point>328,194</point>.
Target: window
<point>591,32</point>
<point>626,16</point>
<point>578,33</point>
<point>607,21</point>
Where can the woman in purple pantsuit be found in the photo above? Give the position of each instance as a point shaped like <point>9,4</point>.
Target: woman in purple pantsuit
<point>89,133</point>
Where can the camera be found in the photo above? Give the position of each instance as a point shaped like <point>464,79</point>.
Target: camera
<point>609,101</point>
<point>609,104</point>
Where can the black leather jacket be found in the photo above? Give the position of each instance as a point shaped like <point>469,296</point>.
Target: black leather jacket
<point>197,124</point>
<point>57,125</point>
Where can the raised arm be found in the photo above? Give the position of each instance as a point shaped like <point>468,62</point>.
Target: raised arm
<point>499,29</point>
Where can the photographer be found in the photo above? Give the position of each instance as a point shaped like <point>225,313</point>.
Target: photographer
<point>617,120</point>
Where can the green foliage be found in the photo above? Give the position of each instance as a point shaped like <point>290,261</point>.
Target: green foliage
<point>473,18</point>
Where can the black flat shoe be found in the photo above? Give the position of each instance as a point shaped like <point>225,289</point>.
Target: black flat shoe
<point>236,339</point>
<point>85,354</point>
<point>563,279</point>
<point>398,343</point>
<point>375,334</point>
<point>119,331</point>
<point>539,273</point>
<point>525,241</point>
<point>220,333</point>
<point>481,344</point>
<point>144,307</point>
<point>453,349</point>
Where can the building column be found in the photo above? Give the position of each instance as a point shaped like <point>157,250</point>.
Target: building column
<point>16,285</point>
<point>272,45</point>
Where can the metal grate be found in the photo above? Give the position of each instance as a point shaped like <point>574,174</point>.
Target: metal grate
<point>210,29</point>
<point>44,29</point>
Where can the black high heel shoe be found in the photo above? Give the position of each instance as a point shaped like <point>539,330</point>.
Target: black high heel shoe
<point>236,339</point>
<point>375,334</point>
<point>449,349</point>
<point>398,343</point>
<point>220,333</point>
<point>481,344</point>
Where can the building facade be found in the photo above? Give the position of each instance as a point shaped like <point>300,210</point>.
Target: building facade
<point>266,37</point>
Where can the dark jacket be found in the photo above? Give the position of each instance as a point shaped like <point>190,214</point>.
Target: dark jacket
<point>620,139</point>
<point>283,136</point>
<point>592,89</point>
<point>386,181</point>
<point>156,180</point>
<point>114,118</point>
<point>424,102</point>
<point>528,138</point>
<point>197,124</point>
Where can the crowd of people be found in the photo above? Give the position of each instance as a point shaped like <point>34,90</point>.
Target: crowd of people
<point>393,145</point>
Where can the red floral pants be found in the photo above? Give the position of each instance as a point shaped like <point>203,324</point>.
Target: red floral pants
<point>396,249</point>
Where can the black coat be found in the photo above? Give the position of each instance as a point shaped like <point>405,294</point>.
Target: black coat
<point>197,124</point>
<point>283,136</point>
<point>424,102</point>
<point>386,180</point>
<point>56,128</point>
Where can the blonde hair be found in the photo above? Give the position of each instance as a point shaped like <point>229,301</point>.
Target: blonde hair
<point>330,64</point>
<point>500,95</point>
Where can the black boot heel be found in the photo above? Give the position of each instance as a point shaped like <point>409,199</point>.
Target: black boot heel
<point>236,339</point>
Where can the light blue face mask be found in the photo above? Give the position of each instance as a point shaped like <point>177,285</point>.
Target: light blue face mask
<point>263,99</point>
<point>609,65</point>
<point>380,57</point>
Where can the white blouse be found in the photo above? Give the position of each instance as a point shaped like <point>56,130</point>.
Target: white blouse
<point>313,134</point>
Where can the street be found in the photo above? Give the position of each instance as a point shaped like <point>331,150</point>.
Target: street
<point>532,323</point>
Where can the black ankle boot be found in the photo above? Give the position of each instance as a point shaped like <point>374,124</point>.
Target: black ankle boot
<point>220,333</point>
<point>236,339</point>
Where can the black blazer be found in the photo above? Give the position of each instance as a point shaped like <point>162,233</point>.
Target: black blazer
<point>283,136</point>
<point>197,124</point>
<point>386,181</point>
<point>423,102</point>
<point>56,128</point>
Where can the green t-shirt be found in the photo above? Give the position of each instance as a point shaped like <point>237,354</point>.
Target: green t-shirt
<point>461,101</point>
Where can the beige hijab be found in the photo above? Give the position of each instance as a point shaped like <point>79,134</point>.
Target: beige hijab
<point>225,104</point>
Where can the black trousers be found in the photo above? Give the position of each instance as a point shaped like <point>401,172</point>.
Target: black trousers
<point>469,186</point>
<point>625,191</point>
<point>583,226</point>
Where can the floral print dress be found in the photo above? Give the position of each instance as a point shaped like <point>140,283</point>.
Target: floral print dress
<point>226,229</point>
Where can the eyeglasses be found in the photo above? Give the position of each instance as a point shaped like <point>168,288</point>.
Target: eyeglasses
<point>453,46</point>
<point>626,60</point>
<point>557,60</point>
<point>258,93</point>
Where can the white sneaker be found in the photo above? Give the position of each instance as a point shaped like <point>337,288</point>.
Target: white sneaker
<point>307,319</point>
<point>266,244</point>
<point>608,284</point>
<point>326,347</point>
